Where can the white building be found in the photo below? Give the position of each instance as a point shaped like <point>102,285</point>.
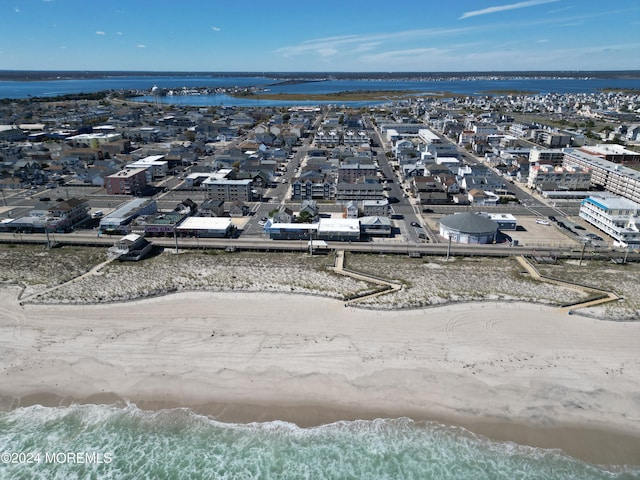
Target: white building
<point>94,140</point>
<point>548,177</point>
<point>616,216</point>
<point>206,226</point>
<point>155,165</point>
<point>553,156</point>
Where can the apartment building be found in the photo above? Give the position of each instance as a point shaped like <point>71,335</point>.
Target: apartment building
<point>129,181</point>
<point>351,171</point>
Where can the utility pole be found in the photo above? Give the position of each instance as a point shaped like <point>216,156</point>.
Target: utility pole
<point>584,245</point>
<point>175,237</point>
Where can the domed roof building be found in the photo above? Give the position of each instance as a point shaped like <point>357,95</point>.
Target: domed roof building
<point>468,228</point>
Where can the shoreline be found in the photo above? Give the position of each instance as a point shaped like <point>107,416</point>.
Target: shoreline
<point>581,441</point>
<point>511,372</point>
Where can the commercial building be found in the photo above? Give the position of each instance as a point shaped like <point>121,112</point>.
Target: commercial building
<point>340,229</point>
<point>505,221</point>
<point>616,216</point>
<point>468,228</point>
<point>119,220</point>
<point>375,226</point>
<point>67,214</point>
<point>206,227</point>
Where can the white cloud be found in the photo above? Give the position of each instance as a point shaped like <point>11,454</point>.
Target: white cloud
<point>140,45</point>
<point>118,33</point>
<point>503,8</point>
<point>349,44</point>
<point>215,29</point>
<point>16,9</point>
<point>412,55</point>
<point>100,32</point>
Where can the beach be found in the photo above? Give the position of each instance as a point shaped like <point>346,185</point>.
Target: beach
<point>511,371</point>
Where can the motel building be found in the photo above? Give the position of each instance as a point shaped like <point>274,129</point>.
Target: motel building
<point>616,216</point>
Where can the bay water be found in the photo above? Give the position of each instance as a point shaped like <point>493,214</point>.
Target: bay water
<point>457,85</point>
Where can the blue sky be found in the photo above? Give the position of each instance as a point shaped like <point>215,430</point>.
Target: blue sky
<point>327,35</point>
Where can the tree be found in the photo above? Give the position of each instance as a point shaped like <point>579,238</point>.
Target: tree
<point>305,217</point>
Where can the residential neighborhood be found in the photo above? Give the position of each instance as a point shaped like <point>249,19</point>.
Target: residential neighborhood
<point>329,172</point>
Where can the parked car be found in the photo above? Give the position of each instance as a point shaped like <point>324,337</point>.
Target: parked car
<point>45,199</point>
<point>579,227</point>
<point>542,222</point>
<point>415,224</point>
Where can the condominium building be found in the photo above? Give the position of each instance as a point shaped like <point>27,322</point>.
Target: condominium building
<point>548,177</point>
<point>616,216</point>
<point>228,190</point>
<point>610,176</point>
<point>552,156</point>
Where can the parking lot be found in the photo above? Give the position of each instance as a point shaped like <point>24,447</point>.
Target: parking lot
<point>529,233</point>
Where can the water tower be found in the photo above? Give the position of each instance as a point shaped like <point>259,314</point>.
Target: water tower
<point>155,93</point>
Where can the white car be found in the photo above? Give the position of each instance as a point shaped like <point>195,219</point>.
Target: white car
<point>542,222</point>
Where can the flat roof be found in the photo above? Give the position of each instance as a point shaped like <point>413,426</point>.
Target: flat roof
<point>293,226</point>
<point>614,202</point>
<point>339,225</point>
<point>131,237</point>
<point>125,210</point>
<point>205,223</point>
<point>127,172</point>
<point>502,216</point>
<point>224,181</point>
<point>601,163</point>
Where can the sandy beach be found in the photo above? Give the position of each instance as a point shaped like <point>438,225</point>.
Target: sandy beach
<point>510,371</point>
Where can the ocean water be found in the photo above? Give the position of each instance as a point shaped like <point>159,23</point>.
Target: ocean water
<point>110,442</point>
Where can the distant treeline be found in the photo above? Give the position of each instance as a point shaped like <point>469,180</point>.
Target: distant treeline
<point>59,98</point>
<point>33,75</point>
